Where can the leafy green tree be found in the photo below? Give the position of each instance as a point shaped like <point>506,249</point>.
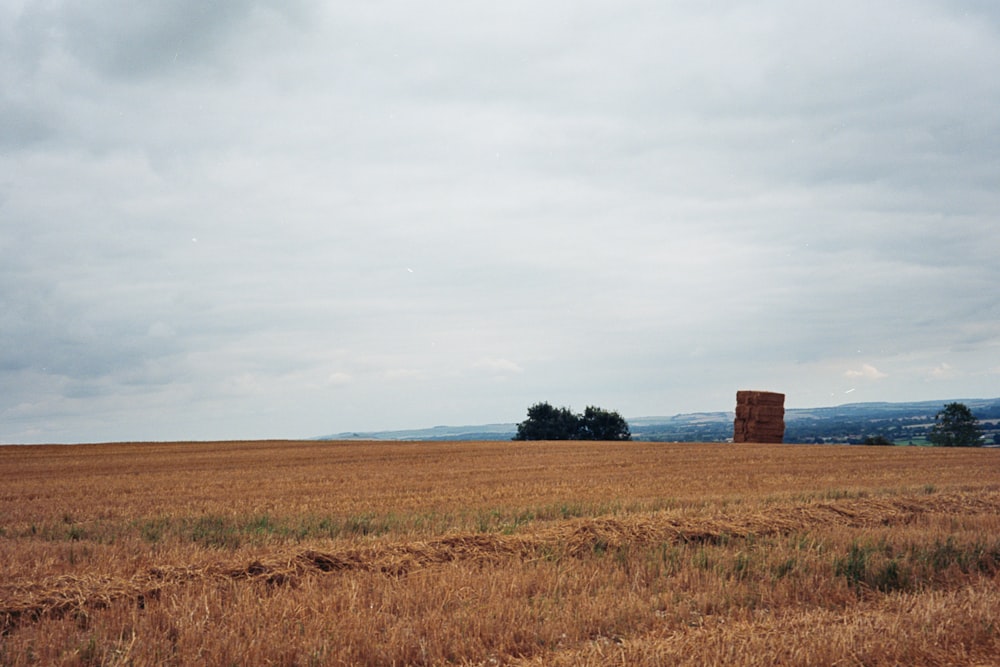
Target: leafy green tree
<point>878,441</point>
<point>956,427</point>
<point>599,424</point>
<point>546,422</point>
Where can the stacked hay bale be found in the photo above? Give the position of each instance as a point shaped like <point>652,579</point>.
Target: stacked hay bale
<point>760,417</point>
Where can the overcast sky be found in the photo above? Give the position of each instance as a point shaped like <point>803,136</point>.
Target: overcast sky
<point>288,219</point>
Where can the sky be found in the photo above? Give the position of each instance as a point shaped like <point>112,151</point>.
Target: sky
<point>274,219</point>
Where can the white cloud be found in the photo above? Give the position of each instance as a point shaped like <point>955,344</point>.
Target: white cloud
<point>497,366</point>
<point>339,378</point>
<point>867,371</point>
<point>161,330</point>
<point>942,371</point>
<point>585,195</point>
<point>402,374</point>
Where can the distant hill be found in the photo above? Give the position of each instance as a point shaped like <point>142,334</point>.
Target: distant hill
<point>479,432</point>
<point>903,423</point>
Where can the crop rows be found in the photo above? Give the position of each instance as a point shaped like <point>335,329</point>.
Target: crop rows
<point>498,553</point>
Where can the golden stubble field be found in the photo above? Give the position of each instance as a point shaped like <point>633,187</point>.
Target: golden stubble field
<point>490,553</point>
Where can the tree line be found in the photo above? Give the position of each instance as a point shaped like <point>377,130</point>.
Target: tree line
<point>955,426</point>
<point>546,422</point>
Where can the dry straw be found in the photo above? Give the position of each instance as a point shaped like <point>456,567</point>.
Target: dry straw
<point>29,602</point>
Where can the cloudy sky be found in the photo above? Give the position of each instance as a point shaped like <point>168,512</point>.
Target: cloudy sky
<point>287,219</point>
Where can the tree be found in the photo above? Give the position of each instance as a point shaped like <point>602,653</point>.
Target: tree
<point>598,424</point>
<point>546,422</point>
<point>878,441</point>
<point>956,427</point>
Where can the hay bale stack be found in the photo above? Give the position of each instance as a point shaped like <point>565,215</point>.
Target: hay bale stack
<point>760,417</point>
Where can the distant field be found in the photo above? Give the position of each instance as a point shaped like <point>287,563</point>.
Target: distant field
<point>489,553</point>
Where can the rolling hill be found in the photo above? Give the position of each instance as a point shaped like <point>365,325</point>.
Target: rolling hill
<point>904,423</point>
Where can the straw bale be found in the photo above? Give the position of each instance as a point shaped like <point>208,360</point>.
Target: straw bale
<point>753,426</point>
<point>759,411</point>
<point>764,420</point>
<point>774,424</point>
<point>760,417</point>
<point>745,397</point>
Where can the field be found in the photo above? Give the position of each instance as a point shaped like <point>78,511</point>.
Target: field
<point>498,553</point>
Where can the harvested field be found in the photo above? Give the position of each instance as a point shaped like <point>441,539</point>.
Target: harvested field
<point>319,553</point>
